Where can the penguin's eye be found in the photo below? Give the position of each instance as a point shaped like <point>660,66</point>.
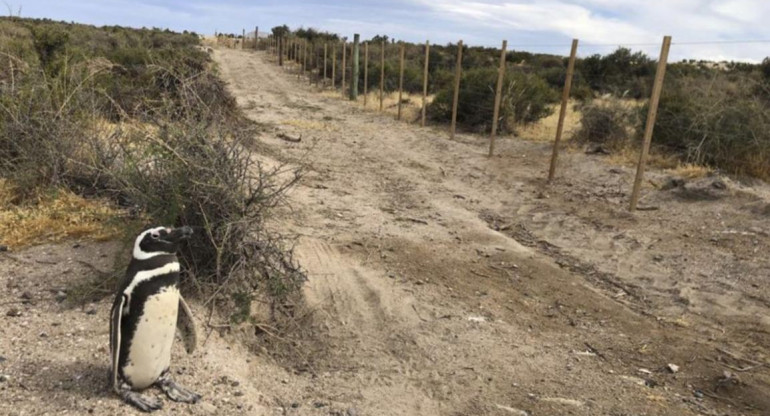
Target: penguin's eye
<point>155,236</point>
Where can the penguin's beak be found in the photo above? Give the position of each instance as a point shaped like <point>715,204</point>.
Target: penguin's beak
<point>178,234</point>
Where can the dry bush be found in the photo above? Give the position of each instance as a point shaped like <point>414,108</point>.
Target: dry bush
<point>185,156</point>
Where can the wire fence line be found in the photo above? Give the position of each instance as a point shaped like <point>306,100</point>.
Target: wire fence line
<point>497,91</point>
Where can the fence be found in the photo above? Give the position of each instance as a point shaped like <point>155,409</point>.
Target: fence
<point>488,89</point>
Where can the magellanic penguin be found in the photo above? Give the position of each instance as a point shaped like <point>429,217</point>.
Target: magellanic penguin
<point>145,314</point>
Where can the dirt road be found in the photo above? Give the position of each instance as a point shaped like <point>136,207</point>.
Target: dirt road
<point>446,283</point>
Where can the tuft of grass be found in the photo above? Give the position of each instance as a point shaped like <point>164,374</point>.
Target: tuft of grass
<point>55,215</point>
<point>691,170</point>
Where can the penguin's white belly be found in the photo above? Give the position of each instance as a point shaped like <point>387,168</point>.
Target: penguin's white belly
<point>150,351</point>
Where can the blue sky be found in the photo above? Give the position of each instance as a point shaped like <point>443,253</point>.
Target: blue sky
<point>540,26</point>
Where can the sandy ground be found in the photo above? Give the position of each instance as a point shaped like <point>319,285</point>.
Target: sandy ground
<point>443,282</point>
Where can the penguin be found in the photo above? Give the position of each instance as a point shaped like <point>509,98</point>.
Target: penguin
<point>145,315</point>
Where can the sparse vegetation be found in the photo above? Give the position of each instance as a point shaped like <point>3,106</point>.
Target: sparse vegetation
<point>138,117</point>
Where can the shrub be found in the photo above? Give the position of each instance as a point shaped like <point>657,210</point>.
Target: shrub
<point>525,99</point>
<point>718,121</point>
<point>609,122</point>
<point>182,155</point>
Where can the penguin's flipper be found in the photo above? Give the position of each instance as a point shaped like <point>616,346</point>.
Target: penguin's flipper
<point>186,326</point>
<point>116,315</point>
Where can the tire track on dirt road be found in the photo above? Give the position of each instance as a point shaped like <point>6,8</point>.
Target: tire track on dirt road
<point>422,308</point>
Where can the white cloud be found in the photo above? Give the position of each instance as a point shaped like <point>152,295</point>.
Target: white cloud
<point>625,22</point>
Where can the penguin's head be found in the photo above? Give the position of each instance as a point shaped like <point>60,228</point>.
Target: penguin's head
<point>159,240</point>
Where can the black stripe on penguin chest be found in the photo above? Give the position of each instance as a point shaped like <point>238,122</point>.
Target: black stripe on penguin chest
<point>138,298</point>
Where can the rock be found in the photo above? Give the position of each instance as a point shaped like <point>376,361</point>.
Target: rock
<point>26,295</point>
<point>13,312</point>
<point>235,383</point>
<point>718,184</point>
<point>672,183</point>
<point>207,408</point>
<point>4,378</point>
<point>616,171</point>
<point>512,410</point>
<point>60,296</point>
<point>3,248</point>
<point>672,368</point>
<point>2,359</point>
<point>91,311</point>
<point>595,149</point>
<point>238,393</point>
<point>351,411</point>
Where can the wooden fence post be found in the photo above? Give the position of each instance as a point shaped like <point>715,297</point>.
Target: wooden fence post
<point>425,82</point>
<point>563,110</point>
<point>366,72</point>
<point>334,64</point>
<point>280,50</point>
<point>300,56</point>
<point>458,73</point>
<point>323,84</point>
<point>354,73</point>
<point>382,75</point>
<point>304,57</point>
<point>344,65</point>
<point>256,38</point>
<point>243,39</point>
<point>651,116</point>
<point>400,78</point>
<point>498,97</point>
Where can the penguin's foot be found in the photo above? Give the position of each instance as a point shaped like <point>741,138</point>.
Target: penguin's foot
<point>140,401</point>
<point>176,392</point>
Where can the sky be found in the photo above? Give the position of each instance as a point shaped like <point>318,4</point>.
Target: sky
<point>701,29</point>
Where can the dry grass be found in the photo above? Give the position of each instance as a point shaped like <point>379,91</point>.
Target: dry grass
<point>544,130</point>
<point>55,216</point>
<point>310,125</point>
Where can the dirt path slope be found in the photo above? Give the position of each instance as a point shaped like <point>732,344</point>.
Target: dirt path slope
<point>443,283</point>
<point>465,286</point>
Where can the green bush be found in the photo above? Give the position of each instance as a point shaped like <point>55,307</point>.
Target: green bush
<point>717,121</point>
<point>526,98</point>
<point>610,123</point>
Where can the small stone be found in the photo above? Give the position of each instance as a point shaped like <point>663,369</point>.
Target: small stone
<point>43,334</point>
<point>3,248</point>
<point>672,368</point>
<point>616,171</point>
<point>719,184</point>
<point>238,393</point>
<point>671,183</point>
<point>235,383</point>
<point>657,257</point>
<point>2,359</point>
<point>4,378</point>
<point>14,312</point>
<point>91,311</point>
<point>351,411</point>
<point>60,296</point>
<point>207,408</point>
<point>294,405</point>
<point>26,295</point>
<point>698,394</point>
